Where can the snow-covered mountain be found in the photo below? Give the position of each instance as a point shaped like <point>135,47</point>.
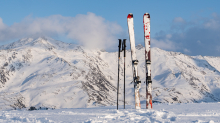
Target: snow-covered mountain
<point>44,72</point>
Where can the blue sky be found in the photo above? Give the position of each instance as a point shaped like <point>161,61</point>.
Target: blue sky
<point>191,27</point>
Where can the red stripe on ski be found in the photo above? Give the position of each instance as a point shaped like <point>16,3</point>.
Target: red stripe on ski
<point>147,37</point>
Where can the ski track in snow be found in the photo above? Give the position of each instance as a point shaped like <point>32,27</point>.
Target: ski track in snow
<point>162,113</point>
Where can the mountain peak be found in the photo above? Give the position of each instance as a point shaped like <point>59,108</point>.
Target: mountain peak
<point>19,43</point>
<point>139,46</point>
<point>43,42</point>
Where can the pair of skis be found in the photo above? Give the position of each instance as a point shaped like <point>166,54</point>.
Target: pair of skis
<point>137,82</point>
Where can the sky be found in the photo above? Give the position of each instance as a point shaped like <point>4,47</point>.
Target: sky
<point>190,27</point>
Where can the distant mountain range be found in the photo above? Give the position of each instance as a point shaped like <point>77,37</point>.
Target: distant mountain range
<point>44,72</point>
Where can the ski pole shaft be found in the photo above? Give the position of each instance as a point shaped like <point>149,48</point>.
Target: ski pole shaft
<point>124,44</point>
<point>119,48</point>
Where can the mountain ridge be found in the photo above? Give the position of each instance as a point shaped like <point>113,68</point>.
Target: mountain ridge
<point>44,72</point>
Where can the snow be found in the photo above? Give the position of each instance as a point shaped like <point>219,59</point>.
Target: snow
<point>162,113</point>
<point>65,77</point>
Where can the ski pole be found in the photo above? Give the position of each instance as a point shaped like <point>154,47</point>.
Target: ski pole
<point>119,48</point>
<point>124,48</point>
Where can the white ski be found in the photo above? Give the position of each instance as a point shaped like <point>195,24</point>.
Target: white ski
<point>137,83</point>
<point>146,22</point>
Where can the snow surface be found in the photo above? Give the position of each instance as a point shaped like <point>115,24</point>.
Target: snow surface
<point>162,113</point>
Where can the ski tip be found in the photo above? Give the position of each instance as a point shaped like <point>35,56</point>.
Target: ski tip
<point>130,15</point>
<point>147,14</point>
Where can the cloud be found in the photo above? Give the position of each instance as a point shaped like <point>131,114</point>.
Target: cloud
<point>199,42</point>
<point>89,30</point>
<point>2,25</point>
<point>186,51</point>
<point>213,23</point>
<point>168,36</point>
<point>194,37</point>
<point>178,20</point>
<point>164,44</point>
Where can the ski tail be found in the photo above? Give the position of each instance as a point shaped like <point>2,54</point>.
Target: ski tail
<point>146,22</point>
<point>137,83</point>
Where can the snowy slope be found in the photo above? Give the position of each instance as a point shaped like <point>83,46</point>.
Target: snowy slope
<point>183,78</point>
<point>162,113</point>
<point>44,72</point>
<point>49,73</point>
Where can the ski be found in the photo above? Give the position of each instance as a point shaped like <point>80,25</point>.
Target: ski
<point>137,83</point>
<point>146,21</point>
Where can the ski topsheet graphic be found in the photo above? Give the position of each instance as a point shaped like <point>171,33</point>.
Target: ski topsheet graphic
<point>137,83</point>
<point>146,21</point>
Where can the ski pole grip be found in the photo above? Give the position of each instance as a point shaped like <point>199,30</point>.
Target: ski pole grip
<point>124,42</point>
<point>119,48</point>
<point>122,47</point>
